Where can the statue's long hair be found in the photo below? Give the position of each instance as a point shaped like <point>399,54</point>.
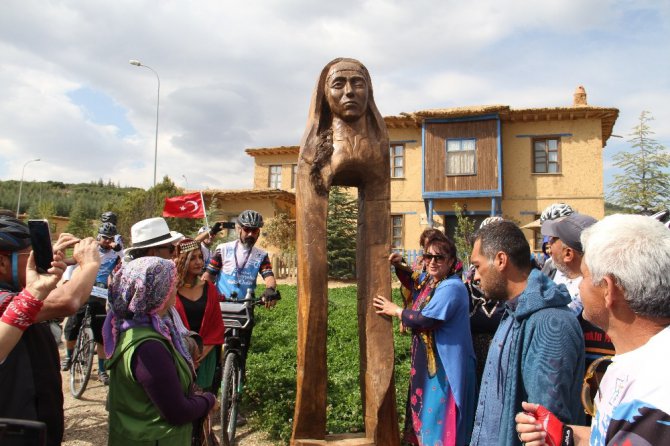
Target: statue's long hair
<point>316,147</point>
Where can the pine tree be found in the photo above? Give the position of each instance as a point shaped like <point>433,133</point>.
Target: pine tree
<point>342,226</point>
<point>645,183</point>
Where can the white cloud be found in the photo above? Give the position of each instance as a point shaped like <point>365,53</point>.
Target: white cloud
<point>240,74</point>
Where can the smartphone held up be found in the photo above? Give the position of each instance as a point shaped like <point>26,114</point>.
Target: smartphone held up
<point>40,238</point>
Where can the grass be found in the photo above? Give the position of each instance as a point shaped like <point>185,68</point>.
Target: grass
<point>271,374</point>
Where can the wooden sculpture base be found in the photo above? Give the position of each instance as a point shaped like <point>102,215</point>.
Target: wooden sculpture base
<point>338,440</point>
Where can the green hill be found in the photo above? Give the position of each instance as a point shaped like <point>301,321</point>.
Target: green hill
<point>95,197</point>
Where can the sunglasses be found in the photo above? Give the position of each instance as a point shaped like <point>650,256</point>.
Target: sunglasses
<point>591,383</point>
<point>437,257</point>
<point>109,239</point>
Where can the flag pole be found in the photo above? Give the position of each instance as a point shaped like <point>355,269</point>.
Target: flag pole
<point>205,209</point>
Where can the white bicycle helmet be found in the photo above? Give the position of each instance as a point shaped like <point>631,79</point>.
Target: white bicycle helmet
<point>489,220</point>
<point>555,211</point>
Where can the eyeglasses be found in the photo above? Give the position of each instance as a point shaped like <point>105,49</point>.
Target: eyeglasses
<point>252,230</point>
<point>589,391</point>
<point>109,239</point>
<point>439,258</point>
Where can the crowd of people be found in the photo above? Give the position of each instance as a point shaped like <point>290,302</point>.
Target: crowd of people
<point>542,333</point>
<point>541,337</point>
<point>155,318</point>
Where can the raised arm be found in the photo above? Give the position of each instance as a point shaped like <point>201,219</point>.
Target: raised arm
<point>67,299</point>
<point>24,308</point>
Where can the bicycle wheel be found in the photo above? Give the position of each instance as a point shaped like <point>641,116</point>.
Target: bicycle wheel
<point>82,362</point>
<point>230,388</point>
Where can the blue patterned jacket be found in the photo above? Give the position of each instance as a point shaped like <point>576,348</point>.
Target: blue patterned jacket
<point>546,363</point>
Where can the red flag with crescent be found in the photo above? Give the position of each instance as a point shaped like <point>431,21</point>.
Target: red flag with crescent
<point>184,206</point>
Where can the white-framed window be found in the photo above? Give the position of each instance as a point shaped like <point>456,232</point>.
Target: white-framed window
<point>396,231</point>
<point>546,153</point>
<point>274,182</point>
<point>294,175</point>
<point>461,156</point>
<point>397,160</point>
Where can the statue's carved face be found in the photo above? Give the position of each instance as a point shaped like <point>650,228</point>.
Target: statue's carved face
<point>346,91</point>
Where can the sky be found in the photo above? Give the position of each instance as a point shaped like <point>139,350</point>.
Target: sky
<point>236,75</point>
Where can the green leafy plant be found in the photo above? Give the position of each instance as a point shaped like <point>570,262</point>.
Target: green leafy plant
<point>465,227</point>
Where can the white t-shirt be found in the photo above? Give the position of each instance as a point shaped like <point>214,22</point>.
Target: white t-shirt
<point>633,401</point>
<point>573,288</point>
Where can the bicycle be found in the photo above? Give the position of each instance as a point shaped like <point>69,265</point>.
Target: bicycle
<point>82,357</point>
<point>238,318</point>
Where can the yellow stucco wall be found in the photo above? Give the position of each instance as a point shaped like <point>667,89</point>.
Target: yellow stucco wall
<point>262,170</point>
<point>525,194</point>
<point>580,183</point>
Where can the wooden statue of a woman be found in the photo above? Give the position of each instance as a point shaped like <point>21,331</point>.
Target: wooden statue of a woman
<point>345,144</point>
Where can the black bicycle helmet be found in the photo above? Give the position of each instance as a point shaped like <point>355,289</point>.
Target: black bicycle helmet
<point>107,229</point>
<point>14,234</point>
<point>109,217</point>
<point>250,219</point>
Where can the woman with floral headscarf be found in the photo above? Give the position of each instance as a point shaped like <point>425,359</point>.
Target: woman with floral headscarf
<point>198,307</point>
<point>151,393</point>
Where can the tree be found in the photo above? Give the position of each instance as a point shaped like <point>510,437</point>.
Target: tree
<point>79,225</point>
<point>342,225</point>
<point>142,204</point>
<point>645,183</point>
<point>465,227</point>
<point>280,233</point>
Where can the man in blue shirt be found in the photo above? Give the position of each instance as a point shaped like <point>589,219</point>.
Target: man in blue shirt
<point>538,348</point>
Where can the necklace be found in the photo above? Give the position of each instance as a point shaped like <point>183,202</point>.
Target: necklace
<point>193,283</point>
<point>480,302</point>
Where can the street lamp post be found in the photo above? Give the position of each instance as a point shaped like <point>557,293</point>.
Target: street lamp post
<point>137,63</point>
<point>18,205</point>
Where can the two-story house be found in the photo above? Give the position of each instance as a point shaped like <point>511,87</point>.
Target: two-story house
<point>490,160</point>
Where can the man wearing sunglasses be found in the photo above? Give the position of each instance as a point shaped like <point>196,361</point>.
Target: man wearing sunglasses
<point>97,302</point>
<point>537,351</point>
<point>626,292</point>
<point>568,254</point>
<point>235,265</point>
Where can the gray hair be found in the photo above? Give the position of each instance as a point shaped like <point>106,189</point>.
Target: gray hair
<point>635,251</point>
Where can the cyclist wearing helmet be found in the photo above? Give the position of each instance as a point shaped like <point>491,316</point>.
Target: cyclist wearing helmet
<point>110,217</point>
<point>29,376</point>
<point>97,302</point>
<point>235,265</point>
<point>552,212</point>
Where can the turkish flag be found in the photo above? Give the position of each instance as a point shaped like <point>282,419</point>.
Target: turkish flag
<point>184,206</point>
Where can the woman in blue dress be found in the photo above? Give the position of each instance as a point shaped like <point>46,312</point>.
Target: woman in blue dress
<point>441,400</point>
